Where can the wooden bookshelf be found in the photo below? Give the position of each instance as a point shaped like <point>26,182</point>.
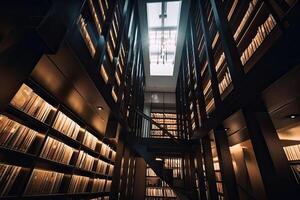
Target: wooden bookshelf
<point>56,151</point>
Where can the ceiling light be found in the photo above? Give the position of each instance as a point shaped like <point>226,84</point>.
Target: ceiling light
<point>100,108</point>
<point>226,129</point>
<point>293,116</point>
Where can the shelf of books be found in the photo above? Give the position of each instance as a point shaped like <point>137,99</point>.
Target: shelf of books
<point>167,121</point>
<point>255,31</point>
<point>156,189</point>
<point>58,154</point>
<point>92,21</point>
<point>292,153</point>
<point>206,79</point>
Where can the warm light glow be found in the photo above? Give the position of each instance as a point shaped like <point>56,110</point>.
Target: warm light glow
<point>162,32</point>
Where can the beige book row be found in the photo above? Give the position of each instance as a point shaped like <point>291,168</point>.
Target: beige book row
<point>57,151</point>
<point>29,102</point>
<point>8,174</point>
<point>14,135</point>
<point>292,152</point>
<point>85,161</point>
<point>247,15</point>
<point>86,35</point>
<point>168,192</point>
<point>220,61</point>
<point>102,167</point>
<point>262,32</point>
<point>49,182</point>
<point>154,192</point>
<point>109,51</point>
<point>67,126</point>
<point>172,163</point>
<point>225,82</point>
<point>150,172</point>
<point>103,8</point>
<point>218,176</point>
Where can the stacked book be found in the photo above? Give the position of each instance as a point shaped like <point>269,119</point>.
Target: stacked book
<point>292,152</point>
<point>29,102</point>
<point>78,184</point>
<point>43,182</point>
<point>262,32</point>
<point>66,125</point>
<point>225,82</point>
<point>85,161</point>
<point>57,151</point>
<point>89,140</point>
<point>98,185</point>
<point>14,135</point>
<point>8,175</point>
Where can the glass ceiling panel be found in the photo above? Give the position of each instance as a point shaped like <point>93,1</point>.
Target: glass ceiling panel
<point>163,20</point>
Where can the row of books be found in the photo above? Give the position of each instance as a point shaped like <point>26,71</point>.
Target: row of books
<point>89,140</point>
<point>107,152</point>
<point>154,192</point>
<point>14,135</point>
<point>150,172</point>
<point>49,182</point>
<point>85,161</point>
<point>98,185</point>
<point>168,192</point>
<point>103,8</point>
<point>95,17</point>
<point>29,102</point>
<point>260,36</point>
<point>57,151</point>
<point>43,182</point>
<point>176,165</point>
<point>103,73</point>
<point>163,115</point>
<point>247,15</point>
<point>8,175</point>
<point>225,82</point>
<point>86,35</point>
<point>292,152</point>
<point>66,125</point>
<point>220,61</point>
<point>102,167</point>
<point>78,184</point>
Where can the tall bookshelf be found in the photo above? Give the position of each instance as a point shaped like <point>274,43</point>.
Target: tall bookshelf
<point>58,154</point>
<point>203,62</point>
<point>167,121</point>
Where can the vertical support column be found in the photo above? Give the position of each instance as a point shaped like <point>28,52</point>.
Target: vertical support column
<point>124,175</point>
<point>276,173</point>
<point>225,161</point>
<point>140,179</point>
<point>230,49</point>
<point>117,170</point>
<point>209,166</point>
<point>193,177</point>
<point>200,175</point>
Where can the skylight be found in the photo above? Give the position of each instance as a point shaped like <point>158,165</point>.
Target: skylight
<point>163,20</point>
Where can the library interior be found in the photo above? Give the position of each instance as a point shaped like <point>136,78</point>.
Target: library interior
<point>150,99</point>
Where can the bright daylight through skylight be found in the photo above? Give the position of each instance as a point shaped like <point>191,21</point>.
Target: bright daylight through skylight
<point>163,20</point>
